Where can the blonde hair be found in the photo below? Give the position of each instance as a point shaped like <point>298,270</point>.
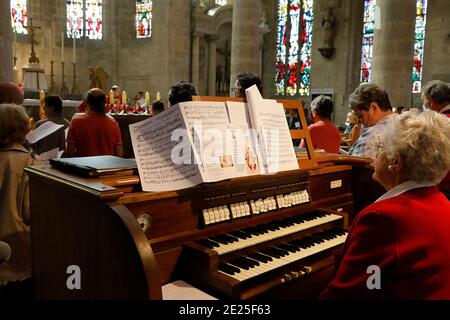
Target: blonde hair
<point>423,141</point>
<point>351,117</point>
<point>14,124</point>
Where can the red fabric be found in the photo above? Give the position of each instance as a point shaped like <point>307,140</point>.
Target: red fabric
<point>82,106</point>
<point>324,135</point>
<point>408,237</point>
<point>94,134</point>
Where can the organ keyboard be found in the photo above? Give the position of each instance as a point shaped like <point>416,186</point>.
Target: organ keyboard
<point>255,237</point>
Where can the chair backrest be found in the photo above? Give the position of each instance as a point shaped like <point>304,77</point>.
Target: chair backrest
<point>306,160</point>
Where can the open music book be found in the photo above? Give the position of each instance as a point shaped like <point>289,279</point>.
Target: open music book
<point>196,142</point>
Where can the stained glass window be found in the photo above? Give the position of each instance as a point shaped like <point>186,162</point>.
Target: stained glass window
<point>93,19</point>
<point>294,39</point>
<point>367,43</point>
<point>75,18</point>
<point>19,16</point>
<point>144,18</point>
<point>421,20</point>
<point>84,19</point>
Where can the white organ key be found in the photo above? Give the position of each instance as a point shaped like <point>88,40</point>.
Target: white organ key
<point>256,239</point>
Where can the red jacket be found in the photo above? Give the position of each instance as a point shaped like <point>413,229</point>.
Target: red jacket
<point>408,237</point>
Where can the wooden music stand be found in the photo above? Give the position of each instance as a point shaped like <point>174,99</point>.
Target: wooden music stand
<point>305,161</point>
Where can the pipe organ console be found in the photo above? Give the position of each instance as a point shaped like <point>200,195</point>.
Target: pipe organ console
<point>256,237</point>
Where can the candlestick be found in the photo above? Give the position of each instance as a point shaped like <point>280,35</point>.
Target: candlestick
<point>51,43</point>
<point>158,96</point>
<point>74,50</point>
<point>64,89</point>
<point>75,89</point>
<point>62,46</point>
<point>14,45</point>
<point>52,88</point>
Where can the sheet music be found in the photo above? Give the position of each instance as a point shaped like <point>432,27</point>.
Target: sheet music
<point>238,113</point>
<point>209,130</point>
<point>276,152</point>
<point>51,154</point>
<point>43,131</point>
<point>155,150</point>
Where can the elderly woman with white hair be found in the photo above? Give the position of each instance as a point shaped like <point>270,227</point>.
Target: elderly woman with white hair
<point>398,247</point>
<point>14,157</point>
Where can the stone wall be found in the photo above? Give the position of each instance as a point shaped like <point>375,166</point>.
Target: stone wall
<point>151,64</point>
<point>154,64</point>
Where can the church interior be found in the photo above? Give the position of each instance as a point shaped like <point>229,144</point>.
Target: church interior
<point>273,236</point>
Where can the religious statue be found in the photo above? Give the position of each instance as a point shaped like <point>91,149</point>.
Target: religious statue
<point>97,77</point>
<point>329,29</point>
<point>329,34</point>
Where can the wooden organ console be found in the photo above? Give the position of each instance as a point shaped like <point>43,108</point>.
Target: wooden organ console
<point>255,237</point>
<point>269,237</point>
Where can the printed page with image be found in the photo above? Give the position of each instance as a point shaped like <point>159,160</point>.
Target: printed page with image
<point>269,120</point>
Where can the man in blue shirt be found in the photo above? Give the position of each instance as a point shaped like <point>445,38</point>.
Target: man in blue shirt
<point>373,108</point>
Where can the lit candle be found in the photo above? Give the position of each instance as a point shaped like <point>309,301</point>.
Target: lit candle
<point>62,46</point>
<point>41,104</point>
<point>74,50</point>
<point>111,98</point>
<point>158,96</point>
<point>147,99</point>
<point>124,97</point>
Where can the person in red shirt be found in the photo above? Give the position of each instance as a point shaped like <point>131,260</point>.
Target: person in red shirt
<point>324,134</point>
<point>94,133</point>
<point>398,247</point>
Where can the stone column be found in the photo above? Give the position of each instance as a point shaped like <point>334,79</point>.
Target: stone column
<point>245,38</point>
<point>436,64</point>
<point>393,50</point>
<point>6,59</point>
<point>212,66</point>
<point>196,59</point>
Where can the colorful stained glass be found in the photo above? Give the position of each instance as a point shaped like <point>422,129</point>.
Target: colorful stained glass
<point>294,38</point>
<point>367,43</point>
<point>421,20</point>
<point>75,19</point>
<point>93,19</point>
<point>84,19</point>
<point>144,18</point>
<point>19,16</point>
<point>281,48</point>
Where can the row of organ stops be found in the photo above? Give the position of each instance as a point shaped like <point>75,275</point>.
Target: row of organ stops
<point>140,104</point>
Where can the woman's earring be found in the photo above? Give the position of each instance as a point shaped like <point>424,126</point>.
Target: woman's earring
<point>390,168</point>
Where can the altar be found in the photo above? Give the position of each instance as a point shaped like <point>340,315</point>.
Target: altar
<point>69,108</point>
